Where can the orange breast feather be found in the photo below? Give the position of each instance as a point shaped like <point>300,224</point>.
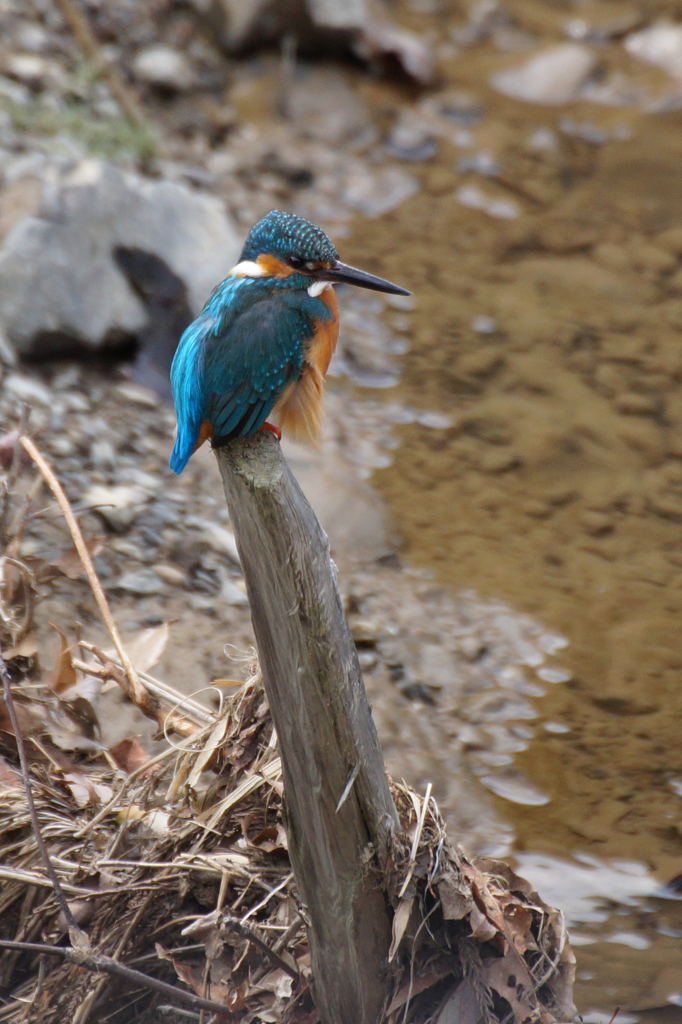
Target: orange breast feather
<point>299,410</point>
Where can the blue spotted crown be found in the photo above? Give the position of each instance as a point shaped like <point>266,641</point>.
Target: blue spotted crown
<point>285,234</point>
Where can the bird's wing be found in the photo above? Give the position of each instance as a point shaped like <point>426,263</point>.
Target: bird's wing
<point>188,390</point>
<point>248,362</point>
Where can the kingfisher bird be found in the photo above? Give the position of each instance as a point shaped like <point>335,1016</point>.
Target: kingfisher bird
<point>261,346</point>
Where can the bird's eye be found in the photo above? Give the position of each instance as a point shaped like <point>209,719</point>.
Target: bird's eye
<point>296,262</point>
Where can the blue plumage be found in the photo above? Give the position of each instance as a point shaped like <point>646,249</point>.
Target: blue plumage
<point>264,329</point>
<point>233,363</point>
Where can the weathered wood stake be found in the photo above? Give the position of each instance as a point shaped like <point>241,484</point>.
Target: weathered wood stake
<point>324,725</point>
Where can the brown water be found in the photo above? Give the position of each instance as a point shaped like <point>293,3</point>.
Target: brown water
<point>559,485</point>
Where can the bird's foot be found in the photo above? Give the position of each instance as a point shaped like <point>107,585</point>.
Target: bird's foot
<point>273,430</point>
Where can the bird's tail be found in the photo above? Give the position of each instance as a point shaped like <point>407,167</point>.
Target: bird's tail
<point>180,455</point>
<point>187,442</point>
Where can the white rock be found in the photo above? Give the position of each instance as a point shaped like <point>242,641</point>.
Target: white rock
<point>117,505</point>
<point>7,353</point>
<point>377,193</point>
<point>232,594</point>
<point>33,38</point>
<point>27,389</point>
<point>141,583</point>
<point>32,69</point>
<point>659,44</point>
<point>554,76</point>
<point>164,66</point>
<point>476,199</point>
<point>57,273</point>
<point>218,537</point>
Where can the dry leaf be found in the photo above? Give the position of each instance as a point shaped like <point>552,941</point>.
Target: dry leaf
<point>481,928</point>
<point>277,981</point>
<point>400,921</point>
<point>8,446</point>
<point>145,649</point>
<point>215,739</point>
<point>413,986</point>
<point>9,778</point>
<point>64,675</point>
<point>461,1006</point>
<point>26,648</point>
<point>70,561</point>
<point>130,755</point>
<point>85,791</point>
<point>231,997</point>
<point>454,893</point>
<point>510,978</point>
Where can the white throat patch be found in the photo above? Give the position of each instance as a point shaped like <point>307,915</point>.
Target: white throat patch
<point>248,268</point>
<point>317,287</point>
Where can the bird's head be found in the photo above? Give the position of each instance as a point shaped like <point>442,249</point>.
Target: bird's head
<point>282,245</point>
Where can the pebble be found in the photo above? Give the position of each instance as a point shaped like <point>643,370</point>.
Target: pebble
<point>479,163</point>
<point>138,395</point>
<point>475,199</point>
<point>233,594</point>
<point>612,256</point>
<point>376,193</point>
<point>674,283</point>
<point>554,76</point>
<point>411,138</point>
<point>219,538</point>
<point>434,420</point>
<point>671,241</point>
<point>460,108</point>
<point>364,631</point>
<point>651,257</point>
<point>102,454</point>
<point>597,524</point>
<point>75,402</point>
<point>7,353</point>
<point>631,404</point>
<point>550,643</point>
<point>32,70</point>
<point>141,582</point>
<point>659,44</point>
<point>542,139</point>
<point>169,574</point>
<point>33,38</point>
<point>27,389</point>
<point>554,675</point>
<point>118,505</point>
<point>484,325</point>
<point>127,547</point>
<point>62,447</point>
<point>512,786</point>
<point>163,66</point>
<point>556,727</point>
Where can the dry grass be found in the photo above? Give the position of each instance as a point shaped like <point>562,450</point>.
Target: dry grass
<point>176,866</point>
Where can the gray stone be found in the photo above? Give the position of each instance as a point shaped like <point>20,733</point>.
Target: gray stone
<point>141,583</point>
<point>58,278</point>
<point>322,105</point>
<point>163,66</point>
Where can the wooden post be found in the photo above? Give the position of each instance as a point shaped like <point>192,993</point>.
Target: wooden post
<point>330,750</point>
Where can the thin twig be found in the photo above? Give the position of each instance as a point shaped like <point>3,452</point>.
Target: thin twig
<point>415,841</point>
<point>138,693</point>
<point>97,962</point>
<point>23,760</point>
<point>85,37</point>
<point>234,924</point>
<point>14,470</point>
<point>83,1012</point>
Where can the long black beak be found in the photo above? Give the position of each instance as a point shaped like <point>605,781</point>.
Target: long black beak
<point>343,274</point>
